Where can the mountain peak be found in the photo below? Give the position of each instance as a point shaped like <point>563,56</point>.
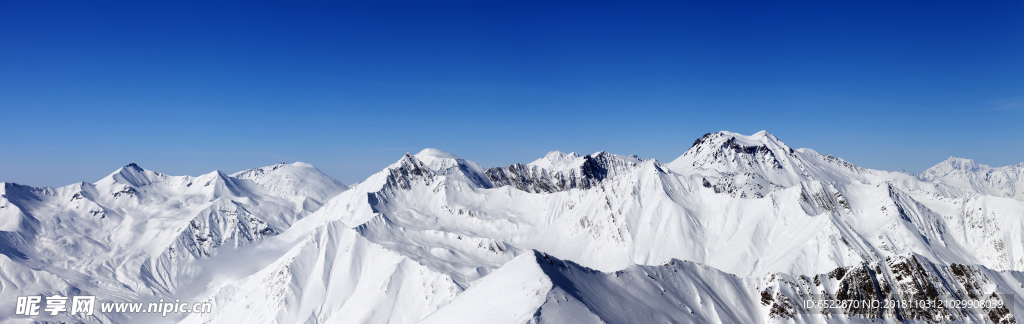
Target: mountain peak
<point>294,180</point>
<point>761,156</point>
<point>765,136</point>
<point>131,174</point>
<point>1006,181</point>
<point>727,150</point>
<point>556,160</point>
<point>435,153</point>
<point>962,163</point>
<point>436,160</point>
<point>558,155</point>
<point>736,140</point>
<point>953,165</point>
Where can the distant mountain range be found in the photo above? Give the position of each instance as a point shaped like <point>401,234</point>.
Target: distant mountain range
<point>738,229</point>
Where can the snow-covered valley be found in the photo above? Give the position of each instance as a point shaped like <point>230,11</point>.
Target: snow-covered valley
<point>738,229</point>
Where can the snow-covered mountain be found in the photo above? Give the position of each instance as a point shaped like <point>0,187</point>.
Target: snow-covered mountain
<point>738,229</point>
<point>965,174</point>
<point>138,234</point>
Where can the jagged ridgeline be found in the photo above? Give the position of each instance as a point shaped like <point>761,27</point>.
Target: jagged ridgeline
<point>738,229</point>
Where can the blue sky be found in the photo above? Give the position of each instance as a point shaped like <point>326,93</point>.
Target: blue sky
<point>190,87</point>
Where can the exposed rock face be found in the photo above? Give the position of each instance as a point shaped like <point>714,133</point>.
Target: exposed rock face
<point>901,288</point>
<point>409,169</point>
<point>533,178</point>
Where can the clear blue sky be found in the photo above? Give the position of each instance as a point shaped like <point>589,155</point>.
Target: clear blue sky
<point>190,87</point>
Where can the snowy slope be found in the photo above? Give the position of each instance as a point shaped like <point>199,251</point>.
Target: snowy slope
<point>300,180</point>
<point>737,229</point>
<point>334,276</point>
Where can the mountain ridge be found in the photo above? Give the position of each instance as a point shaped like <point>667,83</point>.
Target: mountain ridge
<point>737,229</point>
